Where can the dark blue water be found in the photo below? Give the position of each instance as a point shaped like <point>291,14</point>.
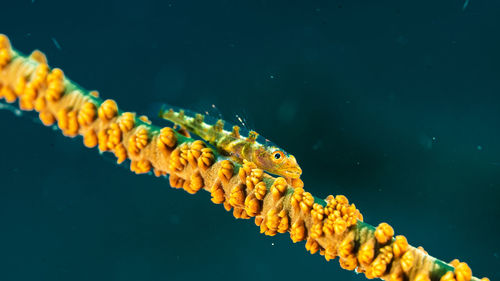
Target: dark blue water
<point>394,105</point>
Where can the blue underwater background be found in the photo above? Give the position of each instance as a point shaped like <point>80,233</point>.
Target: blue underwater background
<point>395,104</point>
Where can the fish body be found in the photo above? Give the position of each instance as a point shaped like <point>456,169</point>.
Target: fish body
<point>265,155</point>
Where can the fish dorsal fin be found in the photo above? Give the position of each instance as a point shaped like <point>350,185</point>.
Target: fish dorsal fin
<point>236,132</point>
<point>38,56</point>
<point>219,125</point>
<point>252,136</point>
<point>165,114</point>
<point>198,118</point>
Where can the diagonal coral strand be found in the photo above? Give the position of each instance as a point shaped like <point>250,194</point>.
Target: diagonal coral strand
<point>332,227</point>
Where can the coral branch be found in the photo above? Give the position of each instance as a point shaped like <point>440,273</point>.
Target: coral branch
<point>333,227</point>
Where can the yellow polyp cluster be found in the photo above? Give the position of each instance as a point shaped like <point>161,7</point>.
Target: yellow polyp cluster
<point>246,169</point>
<point>254,178</point>
<point>339,215</point>
<point>275,221</point>
<point>166,140</point>
<point>5,51</point>
<point>346,248</point>
<point>67,122</point>
<point>206,159</point>
<point>384,233</point>
<point>120,152</point>
<point>298,231</point>
<point>140,167</point>
<point>195,183</point>
<point>195,151</point>
<point>237,200</point>
<point>138,141</point>
<point>55,85</point>
<point>126,121</point>
<point>87,114</point>
<point>407,261</point>
<point>31,90</point>
<point>312,246</point>
<point>226,171</point>
<point>217,193</point>
<point>252,205</point>
<point>47,118</point>
<point>7,94</point>
<point>332,227</point>
<point>302,200</point>
<point>177,162</point>
<point>107,110</point>
<point>260,190</point>
<point>366,253</point>
<point>378,267</point>
<point>462,272</point>
<point>278,188</point>
<point>114,135</point>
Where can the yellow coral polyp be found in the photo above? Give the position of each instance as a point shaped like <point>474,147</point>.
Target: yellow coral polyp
<point>217,193</point>
<point>195,184</point>
<point>87,114</point>
<point>8,94</point>
<point>260,190</point>
<point>254,178</point>
<point>278,188</point>
<point>237,196</point>
<point>47,118</point>
<point>312,246</point>
<point>90,139</point>
<point>252,205</point>
<point>5,51</point>
<point>384,233</point>
<point>298,231</point>
<point>225,172</point>
<point>138,141</point>
<point>206,159</point>
<point>55,85</point>
<point>463,272</point>
<point>366,253</point>
<point>140,167</point>
<point>107,110</point>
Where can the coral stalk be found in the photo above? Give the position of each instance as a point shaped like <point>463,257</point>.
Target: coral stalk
<point>333,227</point>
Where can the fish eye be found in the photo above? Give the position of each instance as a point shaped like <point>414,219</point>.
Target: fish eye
<point>278,156</point>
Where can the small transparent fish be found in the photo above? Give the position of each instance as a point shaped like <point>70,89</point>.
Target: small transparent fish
<point>263,153</point>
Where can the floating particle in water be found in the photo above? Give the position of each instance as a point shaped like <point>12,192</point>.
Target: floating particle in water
<point>242,121</point>
<point>56,43</point>
<point>466,3</point>
<point>402,40</point>
<point>426,141</point>
<point>287,111</point>
<point>479,147</point>
<point>317,145</point>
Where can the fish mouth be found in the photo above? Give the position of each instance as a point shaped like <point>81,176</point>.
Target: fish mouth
<point>294,174</point>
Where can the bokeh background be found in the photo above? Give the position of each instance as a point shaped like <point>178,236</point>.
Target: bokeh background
<point>395,105</point>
